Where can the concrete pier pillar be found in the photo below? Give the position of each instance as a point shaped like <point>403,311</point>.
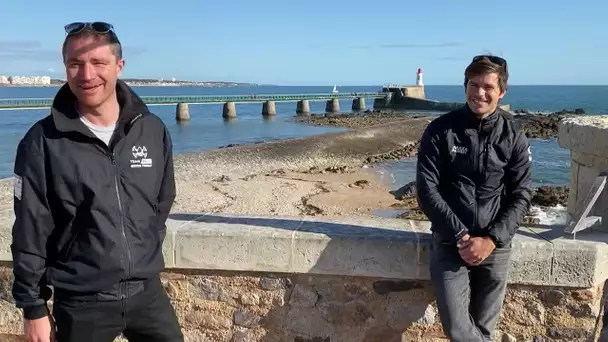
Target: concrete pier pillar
<point>388,100</point>
<point>229,110</point>
<point>303,107</point>
<point>182,112</point>
<point>383,103</point>
<point>269,108</point>
<point>359,103</point>
<point>333,106</point>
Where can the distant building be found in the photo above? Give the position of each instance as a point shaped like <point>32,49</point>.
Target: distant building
<point>33,80</point>
<point>4,80</point>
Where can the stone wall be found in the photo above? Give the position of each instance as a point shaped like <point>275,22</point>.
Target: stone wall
<point>585,137</point>
<point>281,278</point>
<point>242,307</point>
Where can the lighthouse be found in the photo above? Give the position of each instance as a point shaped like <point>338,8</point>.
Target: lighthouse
<point>419,78</point>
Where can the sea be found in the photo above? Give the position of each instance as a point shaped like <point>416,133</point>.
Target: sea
<point>208,130</point>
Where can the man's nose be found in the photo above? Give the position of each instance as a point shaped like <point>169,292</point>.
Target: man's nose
<point>87,72</point>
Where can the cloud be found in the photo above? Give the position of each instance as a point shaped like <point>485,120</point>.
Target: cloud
<point>25,50</point>
<point>133,51</point>
<point>33,51</point>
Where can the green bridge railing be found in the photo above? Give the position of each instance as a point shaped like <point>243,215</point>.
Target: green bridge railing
<point>21,103</point>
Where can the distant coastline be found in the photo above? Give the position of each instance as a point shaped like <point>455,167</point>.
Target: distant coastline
<point>147,82</point>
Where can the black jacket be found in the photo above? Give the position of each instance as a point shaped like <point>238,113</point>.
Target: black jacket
<point>474,176</point>
<point>88,216</point>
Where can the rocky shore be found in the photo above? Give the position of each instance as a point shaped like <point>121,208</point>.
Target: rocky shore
<point>536,125</point>
<point>542,197</point>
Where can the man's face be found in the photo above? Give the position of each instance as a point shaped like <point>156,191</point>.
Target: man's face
<point>483,93</point>
<point>91,70</point>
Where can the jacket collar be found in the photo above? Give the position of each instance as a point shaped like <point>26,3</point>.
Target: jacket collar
<point>66,117</point>
<point>476,123</point>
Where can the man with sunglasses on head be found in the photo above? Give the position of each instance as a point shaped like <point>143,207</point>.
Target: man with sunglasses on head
<point>474,184</point>
<point>94,185</point>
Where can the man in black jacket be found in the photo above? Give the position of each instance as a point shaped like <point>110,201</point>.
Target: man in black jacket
<point>94,185</point>
<point>474,184</point>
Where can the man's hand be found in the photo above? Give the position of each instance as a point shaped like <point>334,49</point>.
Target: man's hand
<point>474,250</point>
<point>39,330</point>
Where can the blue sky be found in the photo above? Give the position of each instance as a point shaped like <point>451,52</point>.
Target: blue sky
<point>315,42</point>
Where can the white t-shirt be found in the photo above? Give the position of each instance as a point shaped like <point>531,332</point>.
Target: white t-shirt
<point>102,132</point>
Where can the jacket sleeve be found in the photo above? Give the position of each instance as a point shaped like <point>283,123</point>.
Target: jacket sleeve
<point>518,183</point>
<point>427,186</point>
<point>31,229</point>
<point>167,192</point>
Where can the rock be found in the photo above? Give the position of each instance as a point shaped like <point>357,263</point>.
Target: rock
<point>210,290</point>
<point>577,111</point>
<point>584,295</point>
<point>250,299</point>
<point>585,310</point>
<point>508,338</point>
<point>246,319</point>
<point>241,335</point>
<point>207,320</point>
<point>537,312</point>
<point>360,183</point>
<point>553,297</point>
<point>6,284</point>
<point>406,152</point>
<point>530,220</point>
<point>353,313</point>
<point>303,297</point>
<point>407,190</point>
<point>549,196</point>
<point>567,333</point>
<point>312,339</point>
<point>222,179</point>
<point>271,283</point>
<point>429,317</point>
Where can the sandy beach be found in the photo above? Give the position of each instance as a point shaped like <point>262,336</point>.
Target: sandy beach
<point>330,175</point>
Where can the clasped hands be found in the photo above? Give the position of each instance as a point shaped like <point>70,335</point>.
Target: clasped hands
<point>474,250</point>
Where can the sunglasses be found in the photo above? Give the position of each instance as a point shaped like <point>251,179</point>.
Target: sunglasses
<point>97,26</point>
<point>494,59</point>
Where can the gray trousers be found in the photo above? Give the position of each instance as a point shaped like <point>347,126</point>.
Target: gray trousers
<point>469,298</point>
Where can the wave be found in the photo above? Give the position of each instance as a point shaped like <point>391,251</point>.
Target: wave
<point>557,215</point>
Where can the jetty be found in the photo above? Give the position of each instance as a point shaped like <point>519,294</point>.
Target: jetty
<point>391,96</point>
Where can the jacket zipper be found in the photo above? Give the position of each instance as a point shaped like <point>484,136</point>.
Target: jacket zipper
<point>478,174</point>
<point>122,221</point>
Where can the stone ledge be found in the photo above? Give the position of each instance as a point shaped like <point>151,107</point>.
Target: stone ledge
<point>367,247</point>
<point>584,134</point>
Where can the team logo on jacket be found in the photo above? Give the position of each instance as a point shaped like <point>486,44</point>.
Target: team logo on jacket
<point>460,149</point>
<point>140,154</point>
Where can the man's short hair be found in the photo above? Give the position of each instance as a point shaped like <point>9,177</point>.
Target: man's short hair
<point>109,37</point>
<point>487,64</point>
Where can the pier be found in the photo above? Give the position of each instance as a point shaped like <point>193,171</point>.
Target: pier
<point>391,96</point>
<point>229,111</point>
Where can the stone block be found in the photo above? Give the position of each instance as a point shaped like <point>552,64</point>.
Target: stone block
<point>531,260</point>
<point>169,248</point>
<point>238,246</point>
<point>574,263</point>
<point>585,134</point>
<point>330,248</point>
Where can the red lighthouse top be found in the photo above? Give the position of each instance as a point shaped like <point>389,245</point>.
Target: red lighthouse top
<point>420,70</point>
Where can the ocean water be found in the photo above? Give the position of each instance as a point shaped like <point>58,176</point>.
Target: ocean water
<point>207,129</point>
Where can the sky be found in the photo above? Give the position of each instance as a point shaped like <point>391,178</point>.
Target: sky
<point>314,42</point>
